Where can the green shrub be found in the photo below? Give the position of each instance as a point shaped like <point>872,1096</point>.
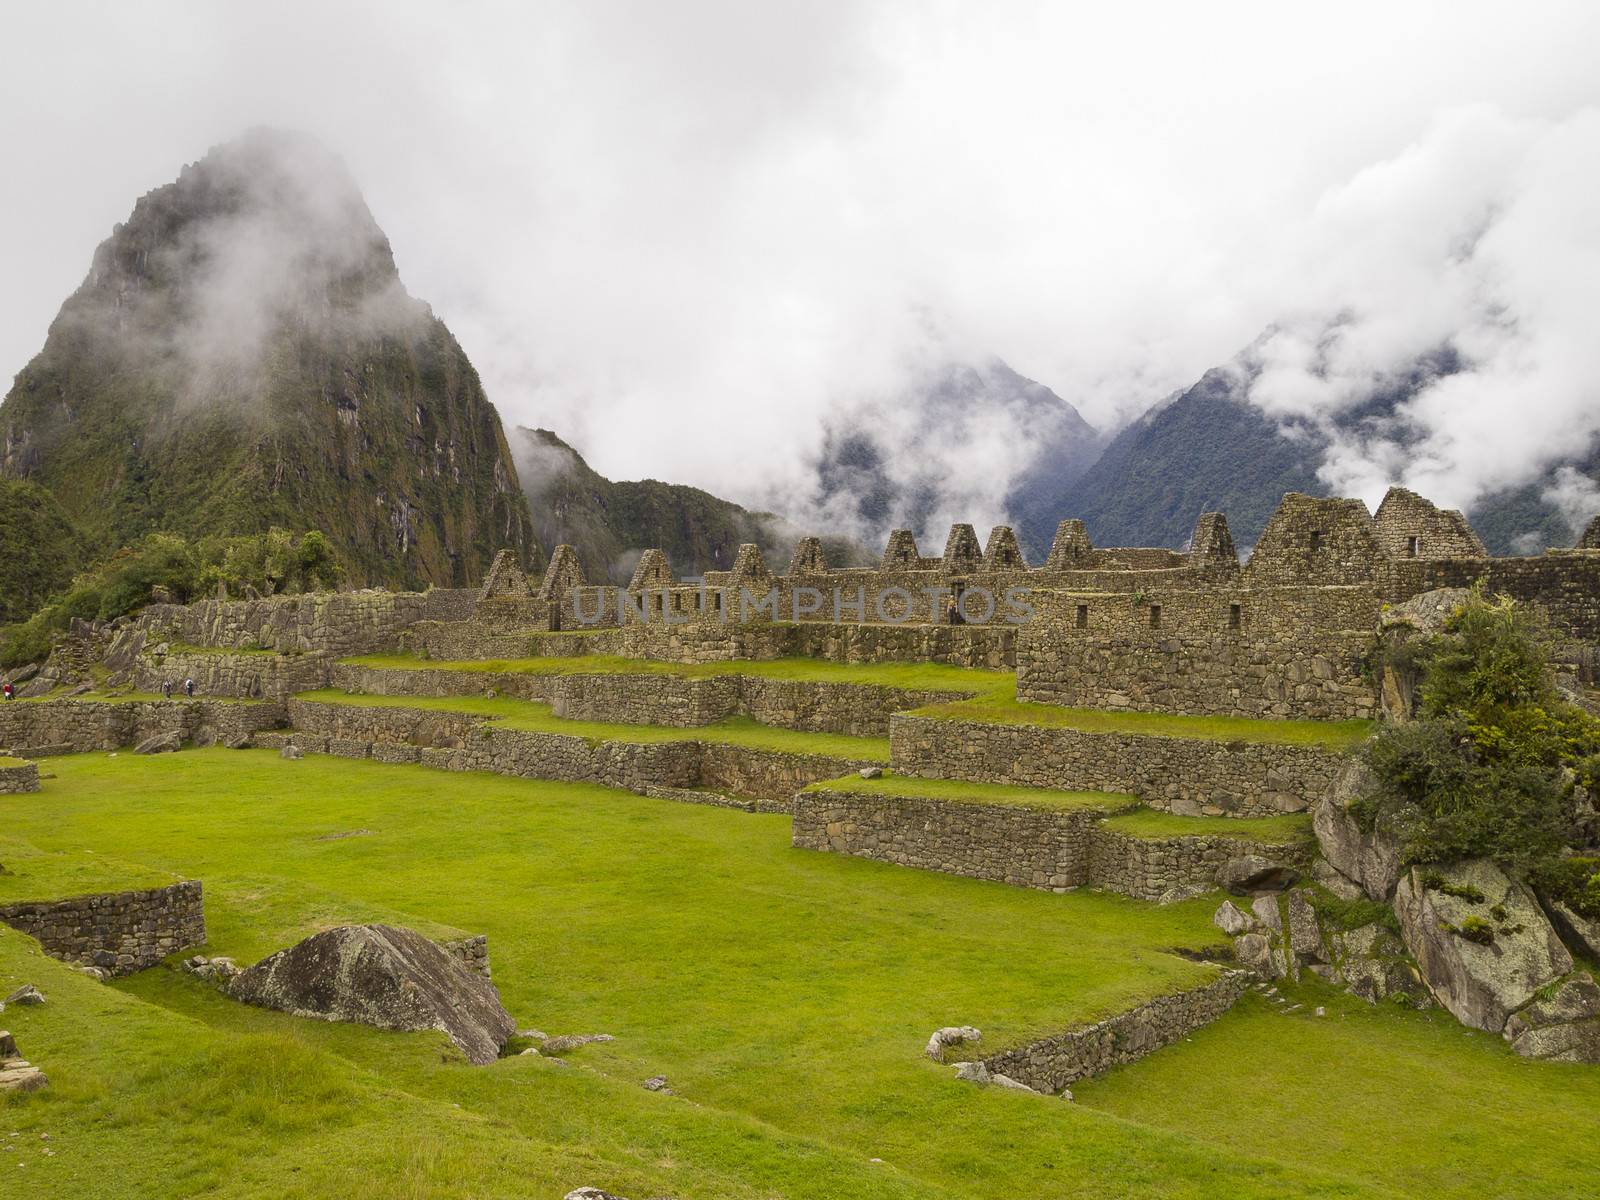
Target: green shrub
<point>1475,929</point>
<point>1489,768</point>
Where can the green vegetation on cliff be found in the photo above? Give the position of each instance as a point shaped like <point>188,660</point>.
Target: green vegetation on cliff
<point>164,564</point>
<point>40,549</point>
<point>609,523</point>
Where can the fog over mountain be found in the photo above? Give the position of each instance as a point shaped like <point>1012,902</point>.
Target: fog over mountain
<point>730,245</point>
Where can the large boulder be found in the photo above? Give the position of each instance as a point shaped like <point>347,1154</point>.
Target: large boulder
<point>382,976</point>
<point>1480,940</point>
<point>159,743</point>
<point>1371,861</point>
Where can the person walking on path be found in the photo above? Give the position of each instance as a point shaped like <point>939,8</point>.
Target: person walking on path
<point>166,689</point>
<point>188,688</point>
<point>11,692</point>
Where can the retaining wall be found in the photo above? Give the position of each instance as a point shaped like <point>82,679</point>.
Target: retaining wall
<point>1051,849</point>
<point>79,726</point>
<point>251,676</point>
<point>18,777</point>
<point>640,698</point>
<point>463,742</point>
<point>1191,776</point>
<point>1055,1063</point>
<point>118,932</point>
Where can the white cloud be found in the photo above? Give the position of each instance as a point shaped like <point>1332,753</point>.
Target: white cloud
<point>681,235</point>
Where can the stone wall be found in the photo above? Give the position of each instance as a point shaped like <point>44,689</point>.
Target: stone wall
<point>463,742</point>
<point>251,676</point>
<point>1191,776</point>
<point>647,698</point>
<point>1027,847</point>
<point>78,726</point>
<point>1276,653</point>
<point>338,623</point>
<point>1149,868</point>
<point>17,777</point>
<point>473,952</point>
<point>1051,849</point>
<point>117,932</point>
<point>1055,1063</point>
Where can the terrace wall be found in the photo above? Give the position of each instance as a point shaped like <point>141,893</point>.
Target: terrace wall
<point>464,742</point>
<point>21,777</point>
<point>1191,776</point>
<point>1051,849</point>
<point>643,698</point>
<point>78,726</point>
<point>251,676</point>
<point>118,932</point>
<point>1055,1063</point>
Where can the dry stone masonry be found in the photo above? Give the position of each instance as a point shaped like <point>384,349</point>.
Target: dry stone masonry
<point>116,933</point>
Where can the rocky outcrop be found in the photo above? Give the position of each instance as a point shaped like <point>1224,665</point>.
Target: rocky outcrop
<point>1480,940</point>
<point>1370,861</point>
<point>382,976</point>
<point>1581,934</point>
<point>1562,1023</point>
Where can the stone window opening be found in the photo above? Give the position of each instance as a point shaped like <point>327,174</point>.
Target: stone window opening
<point>1155,616</point>
<point>1083,616</point>
<point>1235,616</point>
<point>1413,546</point>
<point>1316,540</point>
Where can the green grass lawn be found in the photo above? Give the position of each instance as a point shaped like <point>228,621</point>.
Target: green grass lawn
<point>508,712</point>
<point>1005,709</point>
<point>785,994</point>
<point>1153,823</point>
<point>891,784</point>
<point>921,676</point>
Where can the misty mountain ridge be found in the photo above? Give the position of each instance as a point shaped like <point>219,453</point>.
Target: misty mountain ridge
<point>1210,448</point>
<point>943,449</point>
<point>243,354</point>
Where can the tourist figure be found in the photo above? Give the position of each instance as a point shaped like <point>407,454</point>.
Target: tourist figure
<point>166,689</point>
<point>11,692</point>
<point>188,688</point>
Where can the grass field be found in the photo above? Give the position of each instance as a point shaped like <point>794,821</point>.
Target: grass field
<point>785,994</point>
<point>507,712</point>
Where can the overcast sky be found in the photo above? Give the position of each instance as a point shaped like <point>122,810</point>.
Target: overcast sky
<point>680,233</point>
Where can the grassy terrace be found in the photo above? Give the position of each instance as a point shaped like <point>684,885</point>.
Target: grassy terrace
<point>786,996</point>
<point>34,874</point>
<point>993,695</point>
<point>922,676</point>
<point>1152,823</point>
<point>510,713</point>
<point>890,784</point>
<point>1001,708</point>
<point>7,761</point>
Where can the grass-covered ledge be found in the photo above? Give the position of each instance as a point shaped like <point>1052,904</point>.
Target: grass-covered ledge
<point>955,791</point>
